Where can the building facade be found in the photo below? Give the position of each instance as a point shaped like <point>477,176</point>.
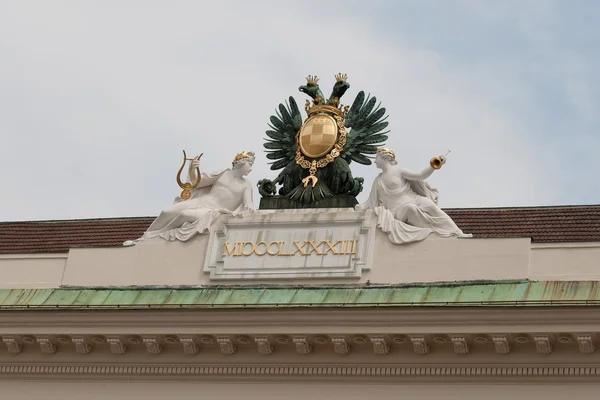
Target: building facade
<point>511,312</point>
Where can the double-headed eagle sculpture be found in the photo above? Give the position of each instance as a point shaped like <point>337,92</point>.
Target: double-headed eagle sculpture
<point>314,154</point>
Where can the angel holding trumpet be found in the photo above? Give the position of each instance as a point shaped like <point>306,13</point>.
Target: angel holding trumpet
<point>405,204</point>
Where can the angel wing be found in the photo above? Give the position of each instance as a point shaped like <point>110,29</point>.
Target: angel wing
<point>367,122</point>
<point>281,141</point>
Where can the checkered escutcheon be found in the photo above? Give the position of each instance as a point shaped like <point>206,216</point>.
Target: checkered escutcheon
<point>318,136</point>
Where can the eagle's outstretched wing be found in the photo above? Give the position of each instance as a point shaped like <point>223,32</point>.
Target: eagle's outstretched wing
<point>281,141</point>
<point>367,122</point>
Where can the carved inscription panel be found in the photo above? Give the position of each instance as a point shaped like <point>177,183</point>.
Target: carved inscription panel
<point>293,244</point>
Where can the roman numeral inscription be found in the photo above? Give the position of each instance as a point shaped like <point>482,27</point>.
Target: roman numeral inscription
<point>286,249</point>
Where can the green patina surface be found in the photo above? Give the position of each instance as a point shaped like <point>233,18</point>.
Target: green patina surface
<point>287,133</point>
<point>465,294</point>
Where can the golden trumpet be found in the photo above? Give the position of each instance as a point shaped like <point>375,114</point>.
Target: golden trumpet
<point>187,187</point>
<point>436,162</point>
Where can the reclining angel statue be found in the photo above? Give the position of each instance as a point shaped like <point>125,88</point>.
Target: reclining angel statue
<point>223,192</point>
<point>406,205</point>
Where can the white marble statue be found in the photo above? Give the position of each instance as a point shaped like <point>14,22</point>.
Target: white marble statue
<point>223,192</point>
<point>406,205</point>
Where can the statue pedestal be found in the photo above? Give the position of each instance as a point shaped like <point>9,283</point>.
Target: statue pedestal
<point>309,247</point>
<point>284,203</point>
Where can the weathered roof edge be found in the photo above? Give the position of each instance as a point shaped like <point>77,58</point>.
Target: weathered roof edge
<point>546,224</point>
<point>124,218</point>
<point>480,294</point>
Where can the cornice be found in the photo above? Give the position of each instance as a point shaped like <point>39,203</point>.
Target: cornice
<point>426,344</point>
<point>30,256</point>
<point>319,355</point>
<point>299,344</point>
<point>427,319</point>
<point>284,372</point>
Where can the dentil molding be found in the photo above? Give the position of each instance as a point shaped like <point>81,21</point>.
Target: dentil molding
<point>537,374</point>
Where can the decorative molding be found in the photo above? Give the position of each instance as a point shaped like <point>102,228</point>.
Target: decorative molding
<point>46,345</point>
<point>303,319</point>
<point>42,256</point>
<point>116,345</point>
<point>586,344</point>
<point>501,344</point>
<point>340,345</point>
<point>284,371</point>
<point>207,340</point>
<point>227,346</point>
<point>542,344</point>
<point>267,344</point>
<point>82,346</point>
<point>12,345</point>
<point>302,345</point>
<point>264,346</point>
<point>189,345</point>
<point>380,346</point>
<point>460,345</point>
<point>153,346</point>
<point>420,345</point>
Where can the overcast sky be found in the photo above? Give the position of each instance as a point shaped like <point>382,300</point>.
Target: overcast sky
<point>98,98</point>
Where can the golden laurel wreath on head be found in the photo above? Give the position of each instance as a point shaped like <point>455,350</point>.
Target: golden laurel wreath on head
<point>241,156</point>
<point>387,151</point>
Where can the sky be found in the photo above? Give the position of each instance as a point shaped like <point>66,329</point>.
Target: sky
<point>99,98</point>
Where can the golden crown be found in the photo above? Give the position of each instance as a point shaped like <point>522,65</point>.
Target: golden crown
<point>319,108</point>
<point>241,156</point>
<point>387,151</point>
<point>312,79</point>
<point>341,77</point>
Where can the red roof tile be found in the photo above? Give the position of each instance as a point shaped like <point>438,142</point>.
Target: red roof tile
<point>542,224</point>
<point>59,236</point>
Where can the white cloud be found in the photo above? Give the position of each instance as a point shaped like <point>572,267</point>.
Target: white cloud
<point>98,99</point>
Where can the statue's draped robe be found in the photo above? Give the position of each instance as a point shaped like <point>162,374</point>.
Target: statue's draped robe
<point>200,208</point>
<point>410,213</point>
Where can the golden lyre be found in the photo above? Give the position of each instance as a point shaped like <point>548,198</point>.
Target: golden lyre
<point>436,162</point>
<point>187,187</point>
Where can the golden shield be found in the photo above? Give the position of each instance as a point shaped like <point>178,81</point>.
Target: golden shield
<point>318,135</point>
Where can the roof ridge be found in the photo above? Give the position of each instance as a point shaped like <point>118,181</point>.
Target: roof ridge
<point>543,224</point>
<point>102,219</point>
<point>529,208</point>
<point>109,219</point>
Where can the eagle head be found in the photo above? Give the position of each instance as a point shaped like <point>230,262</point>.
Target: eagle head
<point>339,89</point>
<point>311,89</point>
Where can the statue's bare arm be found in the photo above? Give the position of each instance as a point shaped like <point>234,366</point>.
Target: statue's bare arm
<point>247,200</point>
<point>424,174</point>
<point>416,176</point>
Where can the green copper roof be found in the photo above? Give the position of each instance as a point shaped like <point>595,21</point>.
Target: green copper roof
<point>504,293</point>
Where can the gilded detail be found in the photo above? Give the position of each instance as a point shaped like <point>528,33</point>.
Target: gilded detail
<point>187,187</point>
<point>315,153</point>
<point>323,162</point>
<point>285,249</point>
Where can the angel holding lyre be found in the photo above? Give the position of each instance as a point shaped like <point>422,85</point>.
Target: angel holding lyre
<point>204,199</point>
